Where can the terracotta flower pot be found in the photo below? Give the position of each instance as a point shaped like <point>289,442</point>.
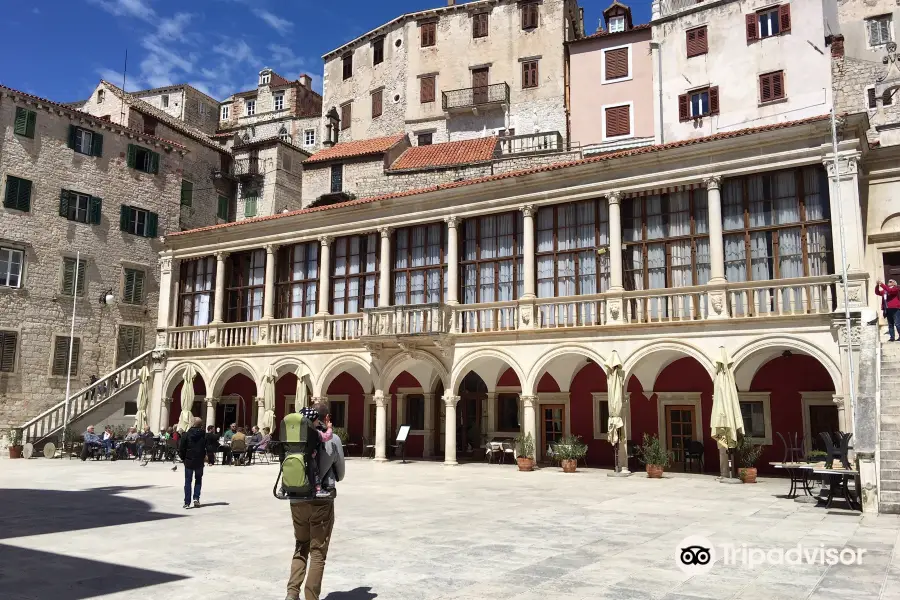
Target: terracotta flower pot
<point>568,465</point>
<point>15,451</point>
<point>525,463</point>
<point>747,474</point>
<point>654,471</point>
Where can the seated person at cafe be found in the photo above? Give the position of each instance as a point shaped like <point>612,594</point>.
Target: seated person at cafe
<point>146,437</point>
<point>131,439</point>
<point>255,436</point>
<point>263,445</point>
<point>109,439</point>
<point>212,444</point>
<point>229,433</point>
<point>238,445</point>
<point>91,443</point>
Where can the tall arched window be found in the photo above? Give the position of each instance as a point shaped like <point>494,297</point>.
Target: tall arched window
<point>196,291</point>
<point>298,280</point>
<point>419,264</point>
<point>571,243</point>
<point>354,276</point>
<point>491,265</point>
<point>283,135</point>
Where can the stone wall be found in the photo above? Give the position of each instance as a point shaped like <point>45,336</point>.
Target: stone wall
<point>37,310</point>
<point>200,111</point>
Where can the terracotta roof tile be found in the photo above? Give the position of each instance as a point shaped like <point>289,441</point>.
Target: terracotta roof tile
<point>513,174</point>
<point>356,148</point>
<point>604,33</point>
<point>446,154</point>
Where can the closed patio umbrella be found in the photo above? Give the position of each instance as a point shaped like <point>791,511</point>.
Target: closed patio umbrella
<point>268,417</point>
<point>301,400</point>
<point>143,399</point>
<point>615,389</point>
<point>187,399</point>
<point>726,422</point>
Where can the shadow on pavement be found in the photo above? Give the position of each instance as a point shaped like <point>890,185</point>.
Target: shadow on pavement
<point>210,504</point>
<point>36,512</point>
<point>34,575</point>
<point>360,593</point>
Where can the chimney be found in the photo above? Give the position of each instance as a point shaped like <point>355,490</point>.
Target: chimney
<point>305,80</point>
<point>451,2</point>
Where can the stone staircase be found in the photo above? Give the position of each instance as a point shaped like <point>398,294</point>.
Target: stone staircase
<point>889,429</point>
<point>119,385</point>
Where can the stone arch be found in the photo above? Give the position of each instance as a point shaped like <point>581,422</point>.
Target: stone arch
<point>406,361</point>
<point>227,370</point>
<point>355,365</point>
<point>891,223</point>
<point>563,373</point>
<point>672,350</point>
<point>173,378</point>
<point>754,355</point>
<point>484,356</point>
<point>289,364</point>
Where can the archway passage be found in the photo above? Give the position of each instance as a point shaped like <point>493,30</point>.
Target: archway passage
<point>409,407</point>
<point>237,403</point>
<point>285,399</point>
<point>471,417</point>
<point>590,413</point>
<point>346,403</point>
<point>198,407</point>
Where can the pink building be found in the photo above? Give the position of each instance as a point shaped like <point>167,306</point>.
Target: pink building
<point>611,89</point>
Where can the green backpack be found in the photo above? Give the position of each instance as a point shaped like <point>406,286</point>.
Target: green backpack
<point>298,441</point>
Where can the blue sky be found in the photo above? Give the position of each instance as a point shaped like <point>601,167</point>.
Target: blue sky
<point>218,46</point>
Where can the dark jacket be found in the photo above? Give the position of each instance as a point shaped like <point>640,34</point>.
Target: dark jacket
<point>192,448</point>
<point>212,441</point>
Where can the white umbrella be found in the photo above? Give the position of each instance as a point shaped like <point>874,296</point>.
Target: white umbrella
<point>726,419</point>
<point>268,418</point>
<point>301,400</point>
<point>615,384</point>
<point>187,399</point>
<point>143,399</point>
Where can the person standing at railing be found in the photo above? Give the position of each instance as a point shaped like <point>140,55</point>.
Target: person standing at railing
<point>891,296</point>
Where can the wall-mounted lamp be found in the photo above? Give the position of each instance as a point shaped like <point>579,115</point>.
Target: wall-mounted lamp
<point>107,298</point>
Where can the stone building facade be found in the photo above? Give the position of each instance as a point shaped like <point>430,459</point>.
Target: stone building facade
<point>73,200</point>
<point>185,103</point>
<point>269,179</point>
<point>456,72</point>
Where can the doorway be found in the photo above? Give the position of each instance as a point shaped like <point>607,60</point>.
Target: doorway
<point>680,421</point>
<point>479,86</point>
<point>226,414</point>
<point>472,395</point>
<point>822,417</point>
<point>891,266</point>
<point>553,425</point>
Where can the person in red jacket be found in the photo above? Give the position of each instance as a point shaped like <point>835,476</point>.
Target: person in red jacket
<point>891,295</point>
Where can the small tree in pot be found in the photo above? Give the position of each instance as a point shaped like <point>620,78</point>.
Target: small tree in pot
<point>525,452</point>
<point>653,455</point>
<point>14,440</point>
<point>569,450</point>
<point>747,455</point>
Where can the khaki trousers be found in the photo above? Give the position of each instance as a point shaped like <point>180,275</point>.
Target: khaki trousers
<point>313,522</point>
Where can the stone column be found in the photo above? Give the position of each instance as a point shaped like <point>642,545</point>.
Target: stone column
<point>260,411</point>
<point>718,295</point>
<point>325,275</point>
<point>615,305</point>
<point>529,420</point>
<point>528,260</point>
<point>384,267</point>
<point>210,411</point>
<point>381,404</point>
<point>428,438</point>
<point>846,220</point>
<point>450,428</point>
<point>452,260</point>
<point>163,319</point>
<point>269,299</point>
<point>157,402</point>
<point>219,300</point>
<point>865,411</point>
<point>164,413</point>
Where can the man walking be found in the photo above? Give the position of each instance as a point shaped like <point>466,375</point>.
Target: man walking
<point>192,450</point>
<point>313,521</point>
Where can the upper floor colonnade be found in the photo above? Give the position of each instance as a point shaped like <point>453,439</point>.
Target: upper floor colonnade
<point>748,246</point>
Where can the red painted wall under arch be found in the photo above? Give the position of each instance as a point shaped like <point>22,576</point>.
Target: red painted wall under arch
<point>175,406</point>
<point>415,444</point>
<point>243,386</point>
<point>591,378</point>
<point>346,384</point>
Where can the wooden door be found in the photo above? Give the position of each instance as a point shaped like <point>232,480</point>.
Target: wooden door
<point>822,417</point>
<point>679,432</point>
<point>468,415</point>
<point>479,86</point>
<point>891,266</point>
<point>553,426</point>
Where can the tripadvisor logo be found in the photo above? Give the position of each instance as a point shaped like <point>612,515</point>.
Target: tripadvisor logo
<point>696,555</point>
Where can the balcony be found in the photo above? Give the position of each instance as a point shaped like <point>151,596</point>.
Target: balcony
<point>473,98</point>
<point>531,143</point>
<point>246,168</point>
<point>757,300</point>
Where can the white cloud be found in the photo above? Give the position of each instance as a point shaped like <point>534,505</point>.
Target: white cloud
<point>132,83</point>
<point>239,52</point>
<point>282,26</point>
<point>173,29</point>
<point>285,61</point>
<point>138,9</point>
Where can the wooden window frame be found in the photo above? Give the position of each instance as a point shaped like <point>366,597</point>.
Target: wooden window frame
<point>530,74</point>
<point>25,122</point>
<point>515,257</point>
<point>775,81</point>
<point>61,342</point>
<point>137,287</point>
<point>347,66</point>
<point>346,115</point>
<point>428,34</point>
<point>79,287</point>
<point>409,269</point>
<point>239,291</point>
<point>336,169</point>
<point>364,250</point>
<point>693,37</point>
<point>427,89</point>
<point>628,76</point>
<point>480,25</point>
<point>556,253</point>
<point>17,193</point>
<point>189,273</point>
<point>531,15</point>
<point>803,224</point>
<point>9,350</point>
<point>667,241</point>
<point>284,281</point>
<point>10,252</point>
<point>377,51</point>
<point>420,136</point>
<point>377,103</point>
<point>605,116</point>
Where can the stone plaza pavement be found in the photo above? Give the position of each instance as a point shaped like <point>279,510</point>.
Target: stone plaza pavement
<point>419,531</point>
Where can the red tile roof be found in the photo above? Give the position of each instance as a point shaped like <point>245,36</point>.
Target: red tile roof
<point>446,154</point>
<point>356,148</point>
<point>604,33</point>
<point>512,174</point>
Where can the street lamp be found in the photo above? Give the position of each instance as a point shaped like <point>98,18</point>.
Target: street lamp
<point>107,298</point>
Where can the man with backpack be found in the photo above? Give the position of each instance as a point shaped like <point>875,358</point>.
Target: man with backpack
<point>312,517</point>
<point>192,450</point>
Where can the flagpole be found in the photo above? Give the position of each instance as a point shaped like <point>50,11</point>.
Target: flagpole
<point>71,344</point>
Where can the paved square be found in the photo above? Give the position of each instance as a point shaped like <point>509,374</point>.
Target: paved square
<point>422,531</point>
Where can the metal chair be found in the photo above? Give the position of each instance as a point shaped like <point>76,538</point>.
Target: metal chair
<point>838,452</point>
<point>368,448</point>
<point>634,456</point>
<point>693,453</point>
<point>510,450</point>
<point>793,447</point>
<point>492,449</point>
<point>552,454</point>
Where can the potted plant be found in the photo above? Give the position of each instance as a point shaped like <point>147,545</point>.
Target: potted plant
<point>653,455</point>
<point>525,452</point>
<point>747,455</point>
<point>340,432</point>
<point>569,450</point>
<point>816,456</point>
<point>14,440</point>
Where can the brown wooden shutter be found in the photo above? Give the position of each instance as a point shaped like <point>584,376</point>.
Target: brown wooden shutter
<point>777,85</point>
<point>426,89</point>
<point>691,42</point>
<point>702,40</point>
<point>529,15</point>
<point>784,16</point>
<point>616,63</point>
<point>696,41</point>
<point>752,27</point>
<point>684,109</point>
<point>428,31</point>
<point>7,351</point>
<point>377,103</point>
<point>61,356</point>
<point>618,121</point>
<point>345,116</point>
<point>714,100</point>
<point>480,25</point>
<point>765,88</point>
<point>871,97</point>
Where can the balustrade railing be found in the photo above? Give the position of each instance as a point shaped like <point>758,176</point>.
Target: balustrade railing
<point>233,335</point>
<point>409,319</point>
<point>530,143</point>
<point>584,311</point>
<point>780,298</point>
<point>666,305</point>
<point>188,338</point>
<point>344,327</point>
<point>490,316</point>
<point>292,331</point>
<point>475,96</point>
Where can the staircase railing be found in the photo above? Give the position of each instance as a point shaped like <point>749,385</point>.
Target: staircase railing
<point>51,420</point>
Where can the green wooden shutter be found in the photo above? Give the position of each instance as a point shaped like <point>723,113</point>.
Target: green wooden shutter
<point>222,211</point>
<point>82,267</point>
<point>138,294</point>
<point>250,206</point>
<point>132,155</point>
<point>128,291</point>
<point>154,163</point>
<point>187,192</point>
<point>64,203</point>
<point>152,223</point>
<point>11,198</point>
<point>32,122</point>
<point>96,210</point>
<point>76,350</point>
<point>124,217</point>
<point>7,351</point>
<point>21,124</point>
<point>130,340</point>
<point>96,144</point>
<point>73,132</point>
<point>68,282</point>
<point>23,201</point>
<point>60,356</point>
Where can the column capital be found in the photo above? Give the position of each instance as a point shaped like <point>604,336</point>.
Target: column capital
<point>381,400</point>
<point>453,221</point>
<point>527,210</point>
<point>450,400</point>
<point>325,240</point>
<point>847,163</point>
<point>221,255</point>
<point>210,402</point>
<point>529,401</point>
<point>272,248</point>
<point>614,198</point>
<point>318,399</point>
<point>712,182</point>
<point>165,264</point>
<point>385,232</point>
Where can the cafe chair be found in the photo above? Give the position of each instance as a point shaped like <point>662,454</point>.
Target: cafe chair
<point>693,453</point>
